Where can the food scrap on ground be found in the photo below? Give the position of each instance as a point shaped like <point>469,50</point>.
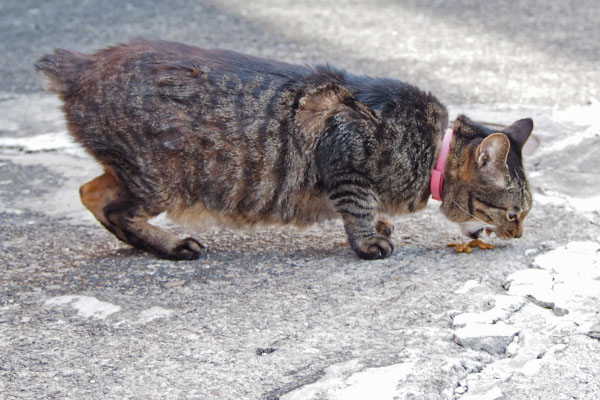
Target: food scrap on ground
<point>468,247</point>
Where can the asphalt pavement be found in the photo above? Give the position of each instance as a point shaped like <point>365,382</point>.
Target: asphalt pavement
<point>284,313</point>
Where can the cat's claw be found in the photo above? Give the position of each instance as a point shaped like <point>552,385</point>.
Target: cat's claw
<point>374,248</point>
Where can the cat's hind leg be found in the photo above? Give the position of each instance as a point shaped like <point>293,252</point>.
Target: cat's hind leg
<point>113,205</point>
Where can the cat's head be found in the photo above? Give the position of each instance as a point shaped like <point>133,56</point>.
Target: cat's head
<point>484,181</point>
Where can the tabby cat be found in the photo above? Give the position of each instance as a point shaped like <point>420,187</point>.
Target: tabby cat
<point>210,133</point>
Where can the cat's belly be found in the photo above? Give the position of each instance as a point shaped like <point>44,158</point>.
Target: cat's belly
<point>406,207</point>
<point>304,208</point>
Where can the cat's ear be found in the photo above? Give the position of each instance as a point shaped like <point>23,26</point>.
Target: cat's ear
<point>491,156</point>
<point>520,131</point>
<point>320,103</point>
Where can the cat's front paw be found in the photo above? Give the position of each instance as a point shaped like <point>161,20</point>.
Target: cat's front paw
<point>373,248</point>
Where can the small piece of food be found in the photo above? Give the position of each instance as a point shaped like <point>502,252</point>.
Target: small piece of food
<point>468,247</point>
<point>480,244</point>
<point>463,248</point>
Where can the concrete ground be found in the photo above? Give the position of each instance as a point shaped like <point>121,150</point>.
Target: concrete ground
<point>281,313</point>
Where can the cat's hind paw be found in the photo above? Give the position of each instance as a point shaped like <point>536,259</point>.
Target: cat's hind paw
<point>188,249</point>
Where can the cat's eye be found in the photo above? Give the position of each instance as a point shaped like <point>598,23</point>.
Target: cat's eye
<point>512,217</point>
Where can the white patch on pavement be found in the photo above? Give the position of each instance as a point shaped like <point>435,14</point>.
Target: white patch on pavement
<point>62,200</point>
<point>30,113</point>
<point>86,306</point>
<point>154,313</point>
<point>533,283</point>
<point>580,257</point>
<point>91,307</point>
<point>341,383</point>
<point>503,308</point>
<point>34,123</point>
<point>587,117</point>
<point>52,141</point>
<point>492,394</point>
<point>576,270</point>
<point>564,290</point>
<point>590,204</point>
<point>569,277</point>
<point>470,284</point>
<point>493,338</point>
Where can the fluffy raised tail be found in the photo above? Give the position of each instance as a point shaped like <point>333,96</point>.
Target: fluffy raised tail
<point>63,69</point>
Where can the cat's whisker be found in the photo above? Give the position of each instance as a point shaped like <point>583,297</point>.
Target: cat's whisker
<point>503,234</point>
<point>485,224</point>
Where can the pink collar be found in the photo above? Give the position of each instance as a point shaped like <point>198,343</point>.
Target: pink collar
<point>437,176</point>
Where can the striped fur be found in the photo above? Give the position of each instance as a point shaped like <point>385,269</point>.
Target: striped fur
<point>215,134</point>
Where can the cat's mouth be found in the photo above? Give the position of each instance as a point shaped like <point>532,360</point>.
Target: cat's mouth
<point>476,226</point>
<point>501,233</point>
<point>474,229</point>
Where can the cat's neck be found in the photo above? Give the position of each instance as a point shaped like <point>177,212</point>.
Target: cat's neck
<point>437,176</point>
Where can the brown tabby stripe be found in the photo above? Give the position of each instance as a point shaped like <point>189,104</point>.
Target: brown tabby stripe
<point>490,204</point>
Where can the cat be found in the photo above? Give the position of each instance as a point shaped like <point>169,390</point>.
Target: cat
<point>202,133</point>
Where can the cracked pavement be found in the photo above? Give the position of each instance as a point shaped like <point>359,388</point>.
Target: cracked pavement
<point>283,313</point>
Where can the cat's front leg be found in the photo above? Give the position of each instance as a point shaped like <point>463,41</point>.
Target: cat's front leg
<point>364,239</point>
<point>368,237</point>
